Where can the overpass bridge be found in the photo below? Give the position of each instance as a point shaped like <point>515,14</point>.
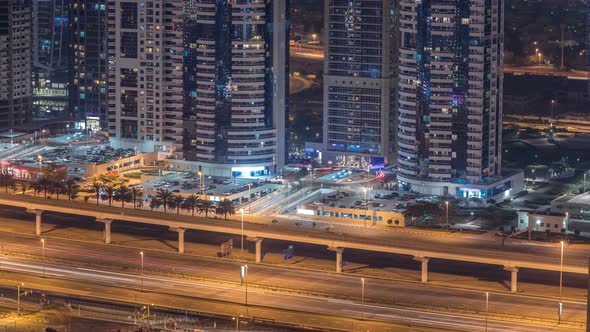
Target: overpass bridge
<point>258,232</point>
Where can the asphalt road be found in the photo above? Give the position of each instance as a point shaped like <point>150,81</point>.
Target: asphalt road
<point>359,260</point>
<point>279,287</point>
<point>484,246</point>
<point>108,282</point>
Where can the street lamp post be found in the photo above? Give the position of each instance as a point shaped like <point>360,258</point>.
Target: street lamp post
<point>242,242</point>
<point>365,189</point>
<point>201,184</point>
<point>447,212</point>
<point>244,277</point>
<point>560,307</point>
<point>40,157</point>
<point>567,224</point>
<point>141,254</point>
<point>552,111</point>
<point>237,319</point>
<point>487,309</point>
<point>43,246</point>
<point>363,298</point>
<point>584,188</point>
<point>18,294</point>
<point>249,198</point>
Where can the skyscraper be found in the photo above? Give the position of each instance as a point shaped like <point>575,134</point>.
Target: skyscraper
<point>450,97</point>
<point>145,74</point>
<point>241,75</point>
<point>359,82</point>
<point>88,62</point>
<point>50,25</point>
<point>15,63</point>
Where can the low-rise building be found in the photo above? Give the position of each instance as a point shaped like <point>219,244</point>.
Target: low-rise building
<point>542,221</point>
<point>366,216</point>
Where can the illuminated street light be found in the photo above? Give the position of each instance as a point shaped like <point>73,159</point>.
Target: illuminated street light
<point>18,294</point>
<point>249,198</point>
<point>141,254</point>
<point>487,308</point>
<point>43,246</point>
<point>244,277</point>
<point>447,209</point>
<point>363,297</point>
<point>560,307</point>
<point>242,242</point>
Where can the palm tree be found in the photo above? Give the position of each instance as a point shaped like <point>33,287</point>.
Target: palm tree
<point>97,185</point>
<point>155,203</point>
<point>176,203</point>
<point>6,180</point>
<point>136,196</point>
<point>165,197</point>
<point>205,206</point>
<point>226,207</point>
<point>23,187</point>
<point>71,189</point>
<point>34,186</point>
<point>109,193</point>
<point>140,202</point>
<point>191,203</point>
<point>43,185</point>
<point>56,187</point>
<point>122,194</point>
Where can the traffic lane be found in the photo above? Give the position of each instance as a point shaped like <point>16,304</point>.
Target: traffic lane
<point>179,264</point>
<point>375,261</point>
<point>254,297</point>
<point>347,286</point>
<point>443,244</point>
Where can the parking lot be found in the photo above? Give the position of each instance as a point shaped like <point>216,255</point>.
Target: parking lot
<point>80,155</point>
<point>363,199</point>
<point>216,188</point>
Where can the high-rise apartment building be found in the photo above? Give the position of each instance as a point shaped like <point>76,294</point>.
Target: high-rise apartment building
<point>88,62</point>
<point>238,124</point>
<point>189,75</point>
<point>450,98</point>
<point>51,50</point>
<point>15,63</point>
<point>145,74</point>
<point>359,82</point>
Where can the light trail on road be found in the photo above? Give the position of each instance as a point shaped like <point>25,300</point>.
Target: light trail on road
<point>235,293</point>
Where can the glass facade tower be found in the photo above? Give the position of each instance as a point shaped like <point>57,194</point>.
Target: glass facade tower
<point>239,103</point>
<point>88,62</point>
<point>450,91</point>
<point>15,63</point>
<point>359,80</point>
<point>145,75</point>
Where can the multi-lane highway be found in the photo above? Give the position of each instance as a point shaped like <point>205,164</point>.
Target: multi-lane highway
<point>107,283</point>
<point>106,268</point>
<point>482,250</point>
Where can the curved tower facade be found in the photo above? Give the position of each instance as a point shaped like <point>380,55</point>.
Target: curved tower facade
<point>240,103</point>
<point>450,94</point>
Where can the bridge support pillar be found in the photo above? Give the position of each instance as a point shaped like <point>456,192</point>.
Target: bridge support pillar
<point>339,259</point>
<point>513,278</point>
<point>180,232</point>
<point>107,228</point>
<point>258,250</point>
<point>424,261</point>
<point>38,214</point>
